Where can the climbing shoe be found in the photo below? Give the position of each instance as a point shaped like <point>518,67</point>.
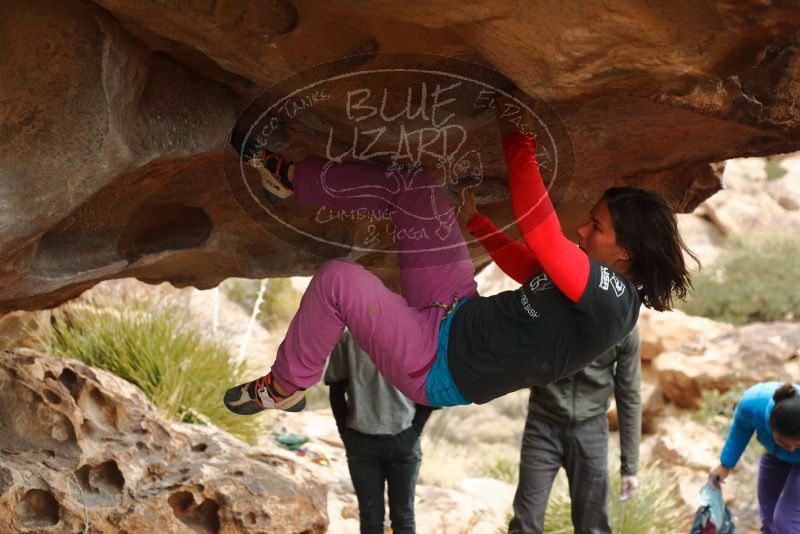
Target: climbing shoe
<point>272,167</point>
<point>253,397</point>
<point>274,171</point>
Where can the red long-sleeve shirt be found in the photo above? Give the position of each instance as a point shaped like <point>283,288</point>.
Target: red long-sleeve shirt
<point>546,248</point>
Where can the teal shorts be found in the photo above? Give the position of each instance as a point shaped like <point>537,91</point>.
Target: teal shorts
<point>439,386</point>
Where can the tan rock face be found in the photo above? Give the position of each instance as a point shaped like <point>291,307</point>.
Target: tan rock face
<point>688,444</point>
<point>786,189</point>
<point>80,447</point>
<point>652,408</point>
<point>669,331</point>
<point>751,203</point>
<point>116,115</point>
<point>20,329</point>
<point>690,451</point>
<point>754,353</point>
<point>702,237</point>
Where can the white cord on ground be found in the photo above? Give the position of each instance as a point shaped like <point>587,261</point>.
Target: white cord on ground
<point>215,317</point>
<point>252,322</point>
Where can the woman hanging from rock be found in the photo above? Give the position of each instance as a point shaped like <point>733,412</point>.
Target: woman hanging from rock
<point>772,411</point>
<point>439,342</point>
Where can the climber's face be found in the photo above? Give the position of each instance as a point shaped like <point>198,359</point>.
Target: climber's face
<point>598,239</point>
<point>790,444</point>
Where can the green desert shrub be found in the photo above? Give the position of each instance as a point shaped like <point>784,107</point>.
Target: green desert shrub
<point>505,470</point>
<point>317,397</point>
<point>715,409</point>
<point>281,299</point>
<point>472,441</point>
<point>753,281</point>
<point>774,169</point>
<point>654,509</point>
<point>558,517</point>
<point>159,349</point>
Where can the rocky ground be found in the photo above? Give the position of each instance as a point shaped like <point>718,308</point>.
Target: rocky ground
<point>455,486</point>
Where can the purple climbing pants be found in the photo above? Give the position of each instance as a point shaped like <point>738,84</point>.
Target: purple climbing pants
<point>399,335</point>
<point>779,495</point>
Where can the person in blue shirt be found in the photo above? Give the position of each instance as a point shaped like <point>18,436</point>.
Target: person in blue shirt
<point>772,411</point>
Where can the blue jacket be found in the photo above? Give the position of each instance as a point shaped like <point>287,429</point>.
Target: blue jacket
<point>752,415</point>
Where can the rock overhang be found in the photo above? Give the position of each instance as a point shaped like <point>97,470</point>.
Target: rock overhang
<point>114,144</point>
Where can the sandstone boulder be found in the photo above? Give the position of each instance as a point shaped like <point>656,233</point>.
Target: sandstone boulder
<point>773,347</point>
<point>748,354</point>
<point>786,189</point>
<point>750,203</point>
<point>669,331</point>
<point>702,237</point>
<point>20,329</point>
<point>652,409</point>
<point>690,451</point>
<point>786,192</point>
<point>739,215</point>
<point>688,444</point>
<point>113,136</point>
<point>684,378</point>
<point>81,448</point>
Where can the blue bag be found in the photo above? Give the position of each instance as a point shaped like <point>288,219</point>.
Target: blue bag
<point>712,517</point>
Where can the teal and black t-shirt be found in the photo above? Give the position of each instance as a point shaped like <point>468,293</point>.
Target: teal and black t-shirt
<point>535,335</point>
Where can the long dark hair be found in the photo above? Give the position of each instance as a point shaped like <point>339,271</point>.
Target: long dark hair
<point>647,228</point>
<point>785,416</point>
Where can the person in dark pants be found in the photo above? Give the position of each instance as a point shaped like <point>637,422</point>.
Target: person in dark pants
<point>380,429</point>
<point>567,427</point>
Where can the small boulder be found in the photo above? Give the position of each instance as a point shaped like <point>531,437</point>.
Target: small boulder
<point>82,447</point>
<point>669,331</point>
